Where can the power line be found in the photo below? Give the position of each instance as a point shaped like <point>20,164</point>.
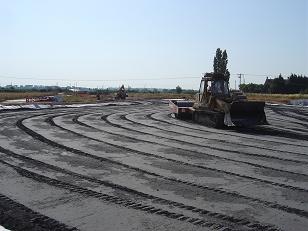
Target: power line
<point>129,79</point>
<point>95,80</point>
<point>263,75</point>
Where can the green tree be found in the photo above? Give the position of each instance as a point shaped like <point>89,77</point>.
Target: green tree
<point>278,85</point>
<point>252,88</point>
<point>178,89</point>
<point>221,62</point>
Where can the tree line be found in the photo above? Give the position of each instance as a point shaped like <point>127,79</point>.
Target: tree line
<point>294,84</point>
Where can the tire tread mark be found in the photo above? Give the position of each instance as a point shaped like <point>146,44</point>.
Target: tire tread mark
<point>36,220</point>
<point>218,170</point>
<point>123,202</point>
<point>234,134</point>
<point>280,112</point>
<point>234,194</point>
<point>50,120</point>
<point>247,145</point>
<point>150,116</point>
<point>75,119</point>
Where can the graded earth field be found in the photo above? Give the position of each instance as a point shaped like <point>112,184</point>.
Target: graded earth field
<point>135,167</point>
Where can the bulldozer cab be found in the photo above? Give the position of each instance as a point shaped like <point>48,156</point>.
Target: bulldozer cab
<point>220,88</point>
<point>213,85</point>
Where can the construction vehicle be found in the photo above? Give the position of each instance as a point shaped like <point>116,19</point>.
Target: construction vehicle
<point>121,94</point>
<point>216,106</point>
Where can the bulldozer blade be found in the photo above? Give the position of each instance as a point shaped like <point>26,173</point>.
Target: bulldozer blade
<point>247,113</point>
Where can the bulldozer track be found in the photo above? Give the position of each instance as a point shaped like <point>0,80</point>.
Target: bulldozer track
<point>75,119</point>
<point>131,204</point>
<point>215,148</point>
<point>158,156</point>
<point>277,114</point>
<point>236,132</point>
<point>281,112</point>
<point>273,205</point>
<point>35,220</point>
<point>35,125</point>
<point>105,118</point>
<point>255,130</point>
<point>282,121</point>
<point>187,124</point>
<point>52,143</point>
<point>234,194</point>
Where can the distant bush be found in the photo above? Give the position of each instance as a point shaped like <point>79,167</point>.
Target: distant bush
<point>294,84</point>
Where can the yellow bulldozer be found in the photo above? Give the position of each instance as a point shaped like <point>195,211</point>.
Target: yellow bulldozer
<point>216,106</point>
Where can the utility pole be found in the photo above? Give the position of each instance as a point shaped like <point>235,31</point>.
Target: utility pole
<point>240,77</point>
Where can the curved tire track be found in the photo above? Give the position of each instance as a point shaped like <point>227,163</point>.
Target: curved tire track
<point>222,221</point>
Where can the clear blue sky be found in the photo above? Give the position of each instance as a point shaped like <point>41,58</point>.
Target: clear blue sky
<point>70,41</point>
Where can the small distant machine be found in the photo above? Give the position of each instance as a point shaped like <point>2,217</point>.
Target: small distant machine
<point>121,94</point>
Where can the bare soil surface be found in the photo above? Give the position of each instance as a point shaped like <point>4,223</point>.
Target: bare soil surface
<point>135,167</point>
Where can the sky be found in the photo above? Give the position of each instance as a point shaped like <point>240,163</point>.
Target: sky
<point>149,43</point>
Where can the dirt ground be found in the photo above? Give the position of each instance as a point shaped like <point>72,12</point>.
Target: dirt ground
<point>135,167</point>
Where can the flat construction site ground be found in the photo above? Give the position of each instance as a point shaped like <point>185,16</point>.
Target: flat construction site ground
<point>135,167</point>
